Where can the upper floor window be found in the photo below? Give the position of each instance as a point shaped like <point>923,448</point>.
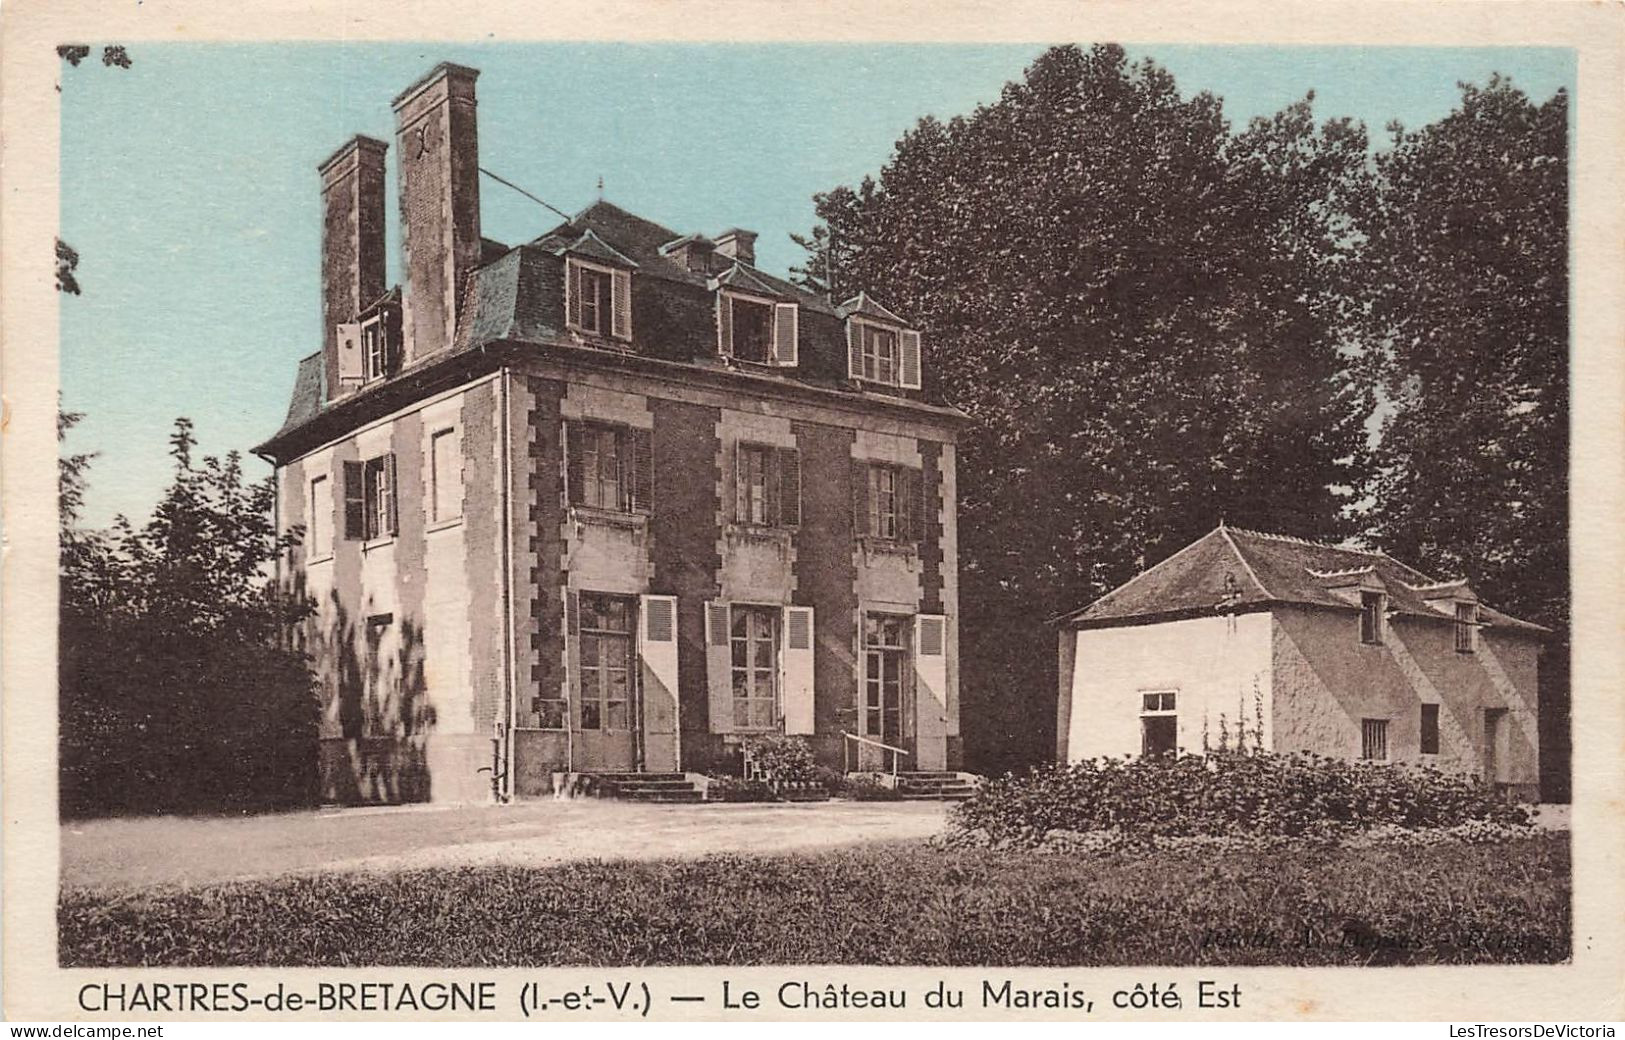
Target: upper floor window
<point>888,504</point>
<point>883,354</point>
<point>1466,628</point>
<point>445,476</point>
<point>1372,609</point>
<point>599,300</point>
<point>767,486</point>
<point>610,467</point>
<point>760,331</point>
<point>321,518</point>
<point>370,510</point>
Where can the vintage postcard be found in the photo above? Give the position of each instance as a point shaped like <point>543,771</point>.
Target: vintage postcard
<point>757,511</point>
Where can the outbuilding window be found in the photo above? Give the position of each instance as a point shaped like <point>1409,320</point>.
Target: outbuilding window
<point>1374,740</point>
<point>1372,606</point>
<point>1466,628</point>
<point>1159,723</point>
<point>1430,729</point>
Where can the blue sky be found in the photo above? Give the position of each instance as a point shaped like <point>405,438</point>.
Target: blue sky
<point>189,182</point>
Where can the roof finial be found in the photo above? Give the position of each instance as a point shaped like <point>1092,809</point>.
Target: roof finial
<point>600,187</point>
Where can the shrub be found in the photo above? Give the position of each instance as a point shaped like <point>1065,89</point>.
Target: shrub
<point>782,758</point>
<point>733,789</point>
<point>1226,795</point>
<point>863,789</point>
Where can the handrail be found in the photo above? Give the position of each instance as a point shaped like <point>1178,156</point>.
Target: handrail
<point>874,743</point>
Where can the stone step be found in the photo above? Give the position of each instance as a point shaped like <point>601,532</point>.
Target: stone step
<point>619,777</point>
<point>662,797</point>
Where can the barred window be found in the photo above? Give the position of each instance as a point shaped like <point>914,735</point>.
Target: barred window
<point>1374,740</point>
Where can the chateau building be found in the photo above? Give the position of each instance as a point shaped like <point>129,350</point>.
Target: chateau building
<point>611,500</point>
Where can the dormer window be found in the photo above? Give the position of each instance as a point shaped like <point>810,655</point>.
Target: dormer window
<point>369,348</point>
<point>758,330</point>
<point>879,354</point>
<point>752,328</point>
<point>1373,605</point>
<point>598,300</point>
<point>1466,628</point>
<point>883,353</point>
<point>375,350</point>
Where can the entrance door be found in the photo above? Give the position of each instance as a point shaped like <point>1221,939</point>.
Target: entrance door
<point>605,708</point>
<point>1494,723</point>
<point>885,656</point>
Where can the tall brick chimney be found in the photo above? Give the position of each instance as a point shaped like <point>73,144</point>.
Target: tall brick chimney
<point>352,240</point>
<point>438,147</point>
<point>738,244</point>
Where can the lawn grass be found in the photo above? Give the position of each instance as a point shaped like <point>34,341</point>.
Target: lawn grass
<point>903,903</point>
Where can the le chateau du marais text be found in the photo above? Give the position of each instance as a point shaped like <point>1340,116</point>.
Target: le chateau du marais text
<point>794,995</point>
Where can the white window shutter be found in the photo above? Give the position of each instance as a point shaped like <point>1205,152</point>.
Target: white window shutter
<point>796,662</point>
<point>786,334</point>
<point>622,304</point>
<point>572,294</point>
<point>908,368</point>
<point>718,668</point>
<point>854,349</point>
<point>931,675</point>
<point>348,335</point>
<point>657,650</point>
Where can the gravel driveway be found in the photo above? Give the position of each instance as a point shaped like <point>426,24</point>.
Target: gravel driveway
<point>170,850</point>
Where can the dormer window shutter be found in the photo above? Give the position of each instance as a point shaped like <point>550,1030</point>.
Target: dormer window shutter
<point>786,334</point>
<point>348,337</point>
<point>573,294</point>
<point>854,350</point>
<point>909,363</point>
<point>622,305</point>
<point>725,326</point>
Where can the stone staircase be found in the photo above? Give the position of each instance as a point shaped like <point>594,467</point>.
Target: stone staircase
<point>921,785</point>
<point>673,788</point>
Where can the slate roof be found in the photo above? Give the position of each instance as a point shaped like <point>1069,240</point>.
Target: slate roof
<point>1238,570</point>
<point>515,298</point>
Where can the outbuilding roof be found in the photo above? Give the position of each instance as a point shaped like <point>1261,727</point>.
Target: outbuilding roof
<point>1236,570</point>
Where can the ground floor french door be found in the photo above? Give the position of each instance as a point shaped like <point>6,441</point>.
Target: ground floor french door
<point>883,714</point>
<point>606,710</point>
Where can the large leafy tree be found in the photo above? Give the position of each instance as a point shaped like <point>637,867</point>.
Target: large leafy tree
<point>177,688</point>
<point>1466,277</point>
<point>1467,282</point>
<point>1144,314</point>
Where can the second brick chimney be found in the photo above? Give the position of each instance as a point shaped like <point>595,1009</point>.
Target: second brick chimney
<point>352,240</point>
<point>738,244</point>
<point>438,146</point>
